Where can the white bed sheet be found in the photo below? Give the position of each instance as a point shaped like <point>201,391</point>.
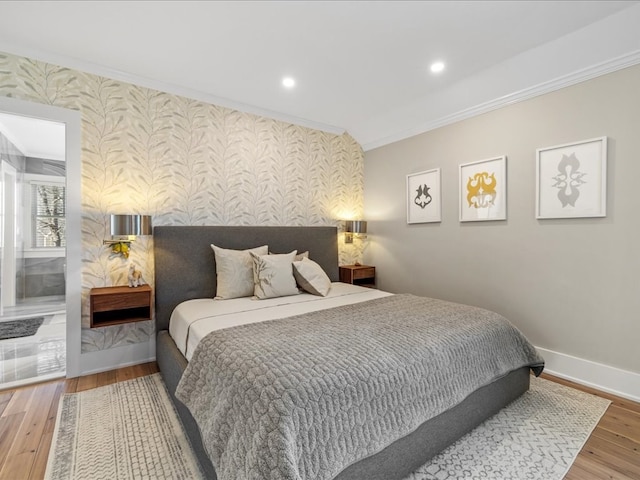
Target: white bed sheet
<point>192,320</point>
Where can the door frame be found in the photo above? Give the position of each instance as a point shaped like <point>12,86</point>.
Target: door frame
<point>73,290</point>
<point>8,227</point>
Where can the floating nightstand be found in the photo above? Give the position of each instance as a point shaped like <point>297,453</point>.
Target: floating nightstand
<point>363,275</point>
<point>117,305</point>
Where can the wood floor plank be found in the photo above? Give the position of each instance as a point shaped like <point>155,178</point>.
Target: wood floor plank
<point>19,402</point>
<point>150,368</point>
<point>42,454</point>
<point>623,461</point>
<point>106,378</point>
<point>87,382</point>
<point>139,370</point>
<point>585,468</point>
<point>71,385</point>
<point>126,373</point>
<point>5,396</point>
<point>39,466</point>
<point>616,438</point>
<point>53,410</point>
<point>623,422</point>
<point>9,426</point>
<point>25,445</point>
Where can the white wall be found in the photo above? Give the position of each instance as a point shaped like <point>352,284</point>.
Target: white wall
<point>572,285</point>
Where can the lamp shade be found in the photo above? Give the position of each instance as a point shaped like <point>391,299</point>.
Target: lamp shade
<point>122,225</point>
<point>355,226</point>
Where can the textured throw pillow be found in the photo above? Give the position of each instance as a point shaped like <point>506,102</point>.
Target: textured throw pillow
<point>311,277</point>
<point>273,275</point>
<point>234,270</point>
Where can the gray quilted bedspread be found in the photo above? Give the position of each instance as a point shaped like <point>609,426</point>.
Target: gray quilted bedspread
<point>306,396</point>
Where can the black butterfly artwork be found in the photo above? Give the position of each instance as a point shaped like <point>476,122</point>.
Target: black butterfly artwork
<point>423,198</point>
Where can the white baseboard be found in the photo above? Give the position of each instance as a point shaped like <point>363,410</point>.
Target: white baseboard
<point>622,383</point>
<point>105,360</point>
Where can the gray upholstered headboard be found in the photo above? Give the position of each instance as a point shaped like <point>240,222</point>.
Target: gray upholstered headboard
<point>185,263</point>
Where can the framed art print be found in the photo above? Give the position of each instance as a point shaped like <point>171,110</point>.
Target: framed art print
<point>483,190</point>
<point>423,197</point>
<point>571,180</point>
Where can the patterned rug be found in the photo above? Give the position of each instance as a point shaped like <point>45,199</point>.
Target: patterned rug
<point>130,430</point>
<point>24,327</point>
<point>127,430</point>
<point>537,437</point>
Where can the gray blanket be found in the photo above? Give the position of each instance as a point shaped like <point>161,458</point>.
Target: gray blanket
<point>306,396</point>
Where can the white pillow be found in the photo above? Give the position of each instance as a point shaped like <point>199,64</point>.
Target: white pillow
<point>311,277</point>
<point>234,270</point>
<point>273,275</point>
<point>298,257</point>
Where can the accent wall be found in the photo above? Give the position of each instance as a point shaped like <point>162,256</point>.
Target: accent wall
<point>185,162</point>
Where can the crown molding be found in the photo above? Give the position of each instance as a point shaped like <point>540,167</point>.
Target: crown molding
<point>582,75</point>
<point>114,74</point>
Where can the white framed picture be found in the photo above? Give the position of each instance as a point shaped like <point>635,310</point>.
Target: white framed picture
<point>424,197</point>
<point>483,190</point>
<point>571,180</point>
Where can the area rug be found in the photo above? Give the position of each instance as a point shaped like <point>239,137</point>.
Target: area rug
<point>127,430</point>
<point>130,430</point>
<point>24,327</point>
<point>537,437</point>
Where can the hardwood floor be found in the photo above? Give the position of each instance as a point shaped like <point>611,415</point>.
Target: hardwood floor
<point>28,415</point>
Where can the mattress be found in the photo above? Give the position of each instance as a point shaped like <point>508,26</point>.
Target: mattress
<point>192,320</point>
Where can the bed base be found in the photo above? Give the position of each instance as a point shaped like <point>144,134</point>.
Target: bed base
<point>399,459</point>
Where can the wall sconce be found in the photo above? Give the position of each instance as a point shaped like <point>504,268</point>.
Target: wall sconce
<point>354,227</point>
<point>127,228</point>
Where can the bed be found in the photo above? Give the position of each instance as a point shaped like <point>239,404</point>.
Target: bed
<point>185,272</point>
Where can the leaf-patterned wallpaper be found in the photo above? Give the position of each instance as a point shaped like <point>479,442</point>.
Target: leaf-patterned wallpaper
<point>185,162</point>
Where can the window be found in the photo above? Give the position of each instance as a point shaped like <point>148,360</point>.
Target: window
<point>46,199</point>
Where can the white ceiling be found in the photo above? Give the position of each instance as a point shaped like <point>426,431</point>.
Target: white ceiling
<point>34,137</point>
<point>360,66</point>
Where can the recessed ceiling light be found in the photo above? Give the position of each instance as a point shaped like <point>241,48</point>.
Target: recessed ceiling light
<point>437,67</point>
<point>288,82</point>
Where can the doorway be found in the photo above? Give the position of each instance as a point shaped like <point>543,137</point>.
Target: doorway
<point>39,312</point>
